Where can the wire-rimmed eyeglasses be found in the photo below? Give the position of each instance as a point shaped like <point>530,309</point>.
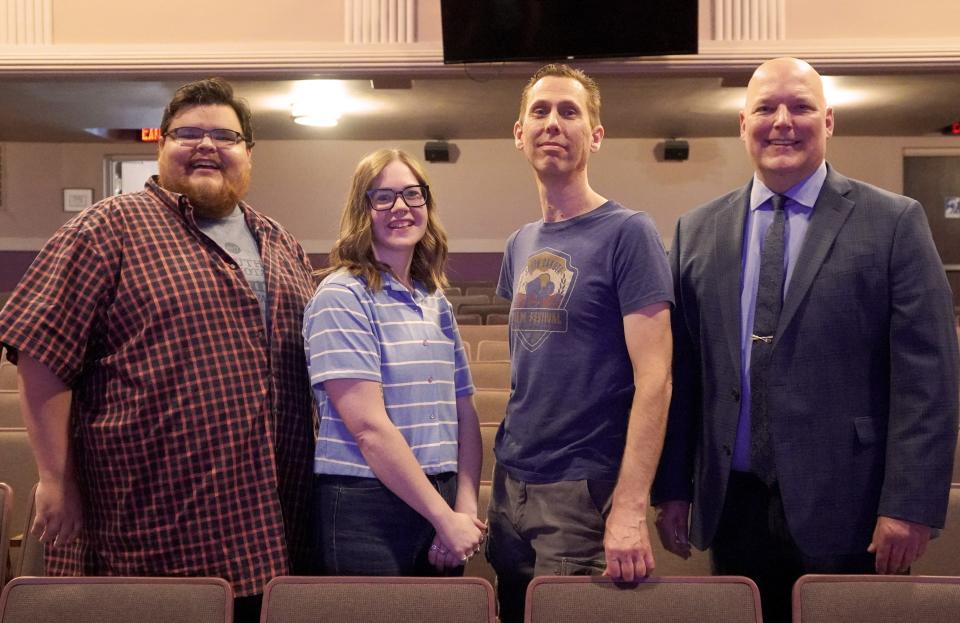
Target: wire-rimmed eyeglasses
<point>222,137</point>
<point>381,199</point>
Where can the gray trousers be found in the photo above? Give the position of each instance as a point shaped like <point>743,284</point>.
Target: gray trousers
<point>543,529</point>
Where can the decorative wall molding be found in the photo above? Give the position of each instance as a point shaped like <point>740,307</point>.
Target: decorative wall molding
<point>26,22</point>
<point>380,21</point>
<point>749,20</point>
<point>426,59</point>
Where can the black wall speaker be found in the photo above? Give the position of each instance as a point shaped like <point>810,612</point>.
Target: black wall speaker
<point>436,151</point>
<point>674,149</point>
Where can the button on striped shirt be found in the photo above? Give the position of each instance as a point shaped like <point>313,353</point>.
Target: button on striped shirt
<point>406,341</point>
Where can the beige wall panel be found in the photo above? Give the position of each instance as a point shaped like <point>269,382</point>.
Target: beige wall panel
<point>304,184</point>
<point>118,22</point>
<point>483,197</point>
<point>103,22</point>
<point>35,176</point>
<point>894,19</point>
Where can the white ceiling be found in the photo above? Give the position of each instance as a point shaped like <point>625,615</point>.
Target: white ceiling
<point>478,104</point>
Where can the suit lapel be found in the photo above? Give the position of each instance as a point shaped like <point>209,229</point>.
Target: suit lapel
<point>728,228</point>
<point>829,214</point>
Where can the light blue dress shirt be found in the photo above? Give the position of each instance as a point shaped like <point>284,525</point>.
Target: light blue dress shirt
<point>799,207</point>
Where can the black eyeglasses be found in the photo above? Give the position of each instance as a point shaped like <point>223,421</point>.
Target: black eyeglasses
<point>221,137</point>
<point>381,199</point>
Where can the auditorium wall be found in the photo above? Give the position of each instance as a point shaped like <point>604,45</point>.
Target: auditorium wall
<point>483,197</point>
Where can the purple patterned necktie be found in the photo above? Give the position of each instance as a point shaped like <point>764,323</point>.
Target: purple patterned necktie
<point>766,314</point>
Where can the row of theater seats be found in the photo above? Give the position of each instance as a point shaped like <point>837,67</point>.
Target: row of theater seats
<point>492,379</point>
<point>490,368</point>
<point>478,305</point>
<point>473,335</point>
<point>490,318</point>
<point>550,599</point>
<point>472,288</point>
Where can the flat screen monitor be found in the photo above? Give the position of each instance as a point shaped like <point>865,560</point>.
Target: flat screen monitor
<point>477,31</point>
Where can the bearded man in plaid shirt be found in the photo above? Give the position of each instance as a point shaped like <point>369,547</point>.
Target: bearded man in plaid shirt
<point>162,372</point>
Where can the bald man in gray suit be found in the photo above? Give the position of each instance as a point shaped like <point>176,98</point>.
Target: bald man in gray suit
<point>824,442</point>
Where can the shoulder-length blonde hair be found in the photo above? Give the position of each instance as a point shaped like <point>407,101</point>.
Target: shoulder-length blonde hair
<point>354,248</point>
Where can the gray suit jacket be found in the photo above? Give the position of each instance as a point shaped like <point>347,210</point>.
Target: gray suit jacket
<point>864,367</point>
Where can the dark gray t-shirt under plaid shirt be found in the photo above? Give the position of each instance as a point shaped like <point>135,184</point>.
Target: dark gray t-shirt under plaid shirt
<point>233,236</point>
<point>570,284</point>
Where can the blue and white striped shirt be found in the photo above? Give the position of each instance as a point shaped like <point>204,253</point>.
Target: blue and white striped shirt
<point>406,341</point>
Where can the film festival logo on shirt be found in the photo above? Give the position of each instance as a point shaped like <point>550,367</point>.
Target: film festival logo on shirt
<point>541,296</point>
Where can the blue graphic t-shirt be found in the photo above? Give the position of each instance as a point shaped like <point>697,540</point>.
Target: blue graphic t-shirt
<point>570,284</point>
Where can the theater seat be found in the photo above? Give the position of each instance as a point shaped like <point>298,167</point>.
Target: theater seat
<point>498,319</point>
<point>29,560</point>
<point>469,319</point>
<point>493,350</point>
<point>478,566</point>
<point>116,600</point>
<point>484,310</point>
<point>474,334</point>
<point>876,598</point>
<point>488,291</point>
<point>8,375</point>
<point>491,404</point>
<point>488,433</point>
<point>593,599</point>
<point>457,301</point>
<point>6,501</point>
<point>18,469</point>
<point>490,374</point>
<point>10,409</point>
<point>290,599</point>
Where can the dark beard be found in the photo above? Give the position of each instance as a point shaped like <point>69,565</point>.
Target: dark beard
<point>214,204</point>
<point>210,203</point>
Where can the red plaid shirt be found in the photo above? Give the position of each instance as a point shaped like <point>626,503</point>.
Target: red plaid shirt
<point>193,432</point>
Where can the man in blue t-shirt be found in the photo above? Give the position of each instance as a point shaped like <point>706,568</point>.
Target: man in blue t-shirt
<point>590,352</point>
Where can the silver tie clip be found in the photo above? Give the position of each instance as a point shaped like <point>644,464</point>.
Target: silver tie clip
<point>767,339</point>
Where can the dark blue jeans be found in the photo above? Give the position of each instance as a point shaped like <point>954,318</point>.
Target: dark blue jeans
<point>363,528</point>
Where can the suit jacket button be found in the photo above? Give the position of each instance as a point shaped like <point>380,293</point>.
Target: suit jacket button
<point>735,394</point>
<point>726,450</point>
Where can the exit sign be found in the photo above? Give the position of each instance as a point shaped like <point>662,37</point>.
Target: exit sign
<point>149,135</point>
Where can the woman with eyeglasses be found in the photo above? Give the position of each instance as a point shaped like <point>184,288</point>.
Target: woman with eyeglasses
<point>398,455</point>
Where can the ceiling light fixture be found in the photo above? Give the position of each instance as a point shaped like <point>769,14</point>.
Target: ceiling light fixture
<point>316,121</point>
<point>839,93</point>
<point>321,103</point>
